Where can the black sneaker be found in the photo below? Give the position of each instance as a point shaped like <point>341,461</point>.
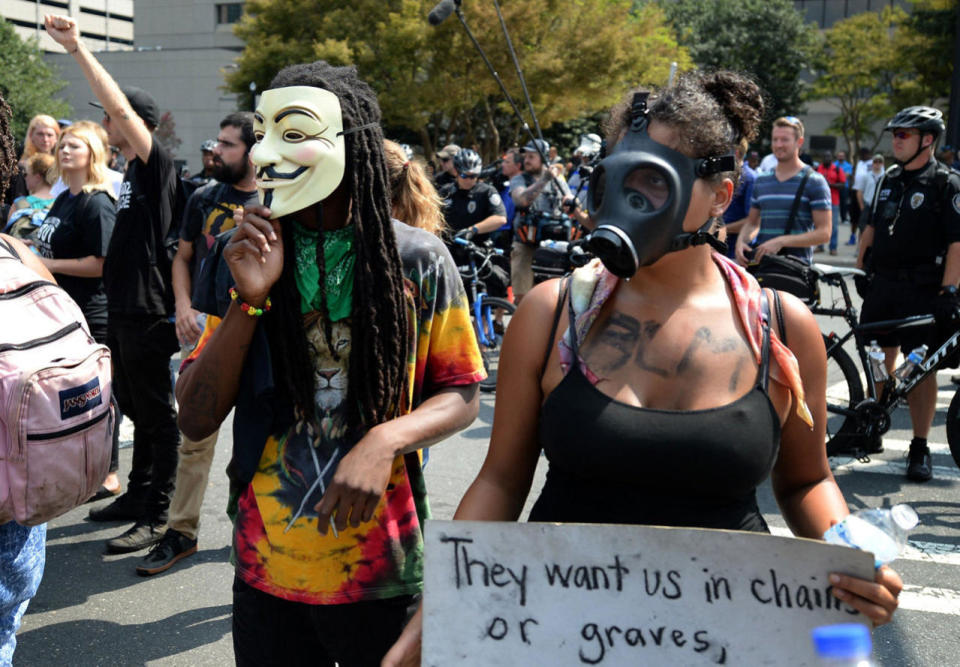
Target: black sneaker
<point>919,465</point>
<point>141,535</point>
<point>124,508</point>
<point>174,546</point>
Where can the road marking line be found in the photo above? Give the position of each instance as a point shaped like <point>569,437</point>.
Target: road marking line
<point>930,600</point>
<point>923,552</point>
<point>884,467</point>
<point>898,445</point>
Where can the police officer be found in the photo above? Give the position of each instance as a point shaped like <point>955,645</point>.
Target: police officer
<point>206,154</point>
<point>470,206</point>
<point>472,210</point>
<point>579,178</point>
<point>911,252</point>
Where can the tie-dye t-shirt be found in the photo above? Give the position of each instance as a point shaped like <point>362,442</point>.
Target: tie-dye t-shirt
<point>277,547</point>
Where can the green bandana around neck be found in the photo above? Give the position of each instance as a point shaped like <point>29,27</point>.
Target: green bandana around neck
<point>339,262</point>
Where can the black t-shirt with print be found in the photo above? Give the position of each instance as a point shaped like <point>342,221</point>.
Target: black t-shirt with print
<point>79,226</point>
<point>209,212</point>
<point>136,272</point>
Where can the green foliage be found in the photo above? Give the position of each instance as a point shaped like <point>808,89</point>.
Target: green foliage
<point>29,84</point>
<point>857,67</point>
<point>767,39</point>
<point>578,57</point>
<point>877,62</point>
<point>924,45</point>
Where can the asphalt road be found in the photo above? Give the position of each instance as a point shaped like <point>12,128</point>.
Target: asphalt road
<point>92,609</point>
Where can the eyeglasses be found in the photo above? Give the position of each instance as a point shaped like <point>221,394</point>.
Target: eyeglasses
<point>903,134</point>
<point>469,175</point>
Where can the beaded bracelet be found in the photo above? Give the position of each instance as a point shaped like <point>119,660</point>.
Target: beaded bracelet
<point>252,311</point>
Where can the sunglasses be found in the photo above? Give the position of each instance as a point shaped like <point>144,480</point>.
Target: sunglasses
<point>469,175</point>
<point>903,134</point>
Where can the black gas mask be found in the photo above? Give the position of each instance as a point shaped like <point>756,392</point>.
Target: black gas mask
<point>639,196</point>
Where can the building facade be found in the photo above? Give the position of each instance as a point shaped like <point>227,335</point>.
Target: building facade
<point>179,52</point>
<point>106,25</point>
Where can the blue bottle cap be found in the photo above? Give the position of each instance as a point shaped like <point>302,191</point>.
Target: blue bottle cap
<point>842,641</point>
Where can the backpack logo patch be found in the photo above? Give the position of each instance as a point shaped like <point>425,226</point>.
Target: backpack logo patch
<point>916,199</point>
<point>77,400</point>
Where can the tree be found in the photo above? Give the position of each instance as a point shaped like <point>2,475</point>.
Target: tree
<point>29,84</point>
<point>859,86</point>
<point>578,57</point>
<point>767,39</point>
<point>924,46</point>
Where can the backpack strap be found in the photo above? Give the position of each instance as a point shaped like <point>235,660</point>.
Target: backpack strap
<point>778,309</point>
<point>561,297</point>
<point>6,245</point>
<point>795,207</point>
<point>763,374</point>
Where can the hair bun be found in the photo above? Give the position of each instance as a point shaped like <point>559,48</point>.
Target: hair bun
<point>740,99</point>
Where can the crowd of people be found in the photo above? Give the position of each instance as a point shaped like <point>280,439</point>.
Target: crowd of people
<point>308,279</point>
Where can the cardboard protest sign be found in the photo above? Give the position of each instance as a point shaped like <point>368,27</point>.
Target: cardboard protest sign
<point>547,594</point>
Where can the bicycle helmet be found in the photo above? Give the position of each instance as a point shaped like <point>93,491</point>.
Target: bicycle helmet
<point>589,145</point>
<point>208,146</point>
<point>467,161</point>
<point>926,119</point>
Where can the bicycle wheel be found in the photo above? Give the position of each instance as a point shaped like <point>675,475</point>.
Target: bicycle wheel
<point>496,314</point>
<point>953,427</point>
<point>844,390</point>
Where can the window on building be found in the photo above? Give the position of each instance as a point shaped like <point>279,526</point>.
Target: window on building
<point>229,12</point>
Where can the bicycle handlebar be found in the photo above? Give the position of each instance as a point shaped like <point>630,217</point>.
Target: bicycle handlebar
<point>475,249</point>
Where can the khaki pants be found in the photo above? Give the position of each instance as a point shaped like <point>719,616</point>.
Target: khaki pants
<point>521,268</point>
<point>193,473</point>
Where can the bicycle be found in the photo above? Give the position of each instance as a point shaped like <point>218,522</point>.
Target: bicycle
<point>489,314</point>
<point>862,408</point>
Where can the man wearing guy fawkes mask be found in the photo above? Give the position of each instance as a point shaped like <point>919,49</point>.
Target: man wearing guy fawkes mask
<point>631,229</point>
<point>345,346</point>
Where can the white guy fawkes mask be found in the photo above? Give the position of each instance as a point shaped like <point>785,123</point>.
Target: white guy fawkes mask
<point>299,155</point>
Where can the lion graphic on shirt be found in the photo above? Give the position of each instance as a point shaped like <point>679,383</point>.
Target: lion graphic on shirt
<point>309,455</point>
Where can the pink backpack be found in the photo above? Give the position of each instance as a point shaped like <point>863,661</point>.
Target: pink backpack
<point>56,420</point>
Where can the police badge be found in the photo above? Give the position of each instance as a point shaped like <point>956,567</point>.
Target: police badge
<point>956,203</point>
<point>916,199</point>
<point>471,207</point>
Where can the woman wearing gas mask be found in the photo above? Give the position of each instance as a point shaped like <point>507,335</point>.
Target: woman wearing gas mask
<point>669,400</point>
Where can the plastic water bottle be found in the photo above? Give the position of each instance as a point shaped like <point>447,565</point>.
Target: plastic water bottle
<point>847,644</point>
<point>913,360</point>
<point>877,366</point>
<point>883,532</point>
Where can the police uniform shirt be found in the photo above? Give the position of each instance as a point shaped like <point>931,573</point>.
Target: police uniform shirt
<point>917,216</point>
<point>465,208</point>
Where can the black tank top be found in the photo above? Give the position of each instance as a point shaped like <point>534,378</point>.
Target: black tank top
<point>616,463</point>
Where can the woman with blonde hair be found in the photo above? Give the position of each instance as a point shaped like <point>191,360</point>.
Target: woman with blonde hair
<point>42,134</point>
<point>413,198</point>
<point>73,239</point>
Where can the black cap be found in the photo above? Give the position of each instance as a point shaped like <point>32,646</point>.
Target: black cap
<point>142,103</point>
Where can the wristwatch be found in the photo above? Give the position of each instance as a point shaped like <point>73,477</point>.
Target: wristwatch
<point>949,289</point>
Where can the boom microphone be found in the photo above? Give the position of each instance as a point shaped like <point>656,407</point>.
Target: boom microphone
<point>440,13</point>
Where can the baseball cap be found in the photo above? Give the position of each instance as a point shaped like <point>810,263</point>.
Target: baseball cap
<point>448,151</point>
<point>143,104</point>
<point>208,145</point>
<point>533,145</point>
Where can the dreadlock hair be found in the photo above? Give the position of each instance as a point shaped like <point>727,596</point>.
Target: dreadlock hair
<point>8,150</point>
<point>413,198</point>
<point>379,330</point>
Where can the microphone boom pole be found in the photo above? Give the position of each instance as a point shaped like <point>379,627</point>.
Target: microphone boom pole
<point>503,89</point>
<point>516,65</point>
